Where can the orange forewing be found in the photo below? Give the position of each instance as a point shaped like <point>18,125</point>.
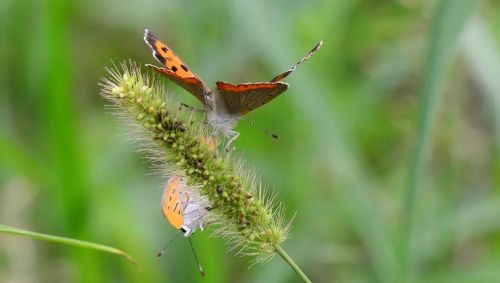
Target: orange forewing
<point>243,98</point>
<point>175,69</point>
<point>172,203</point>
<point>191,84</point>
<point>167,57</point>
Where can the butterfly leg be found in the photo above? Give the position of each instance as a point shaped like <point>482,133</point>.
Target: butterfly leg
<point>232,139</point>
<point>190,107</point>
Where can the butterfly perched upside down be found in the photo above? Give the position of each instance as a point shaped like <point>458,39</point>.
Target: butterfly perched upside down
<point>185,209</point>
<point>226,103</point>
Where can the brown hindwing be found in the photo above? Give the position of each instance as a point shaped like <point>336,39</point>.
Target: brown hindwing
<point>243,98</point>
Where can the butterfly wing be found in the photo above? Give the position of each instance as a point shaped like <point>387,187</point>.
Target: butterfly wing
<point>173,202</point>
<point>243,98</point>
<point>285,74</point>
<point>191,84</point>
<point>175,69</point>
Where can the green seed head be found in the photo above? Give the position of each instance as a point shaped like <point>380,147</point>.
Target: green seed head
<point>241,213</point>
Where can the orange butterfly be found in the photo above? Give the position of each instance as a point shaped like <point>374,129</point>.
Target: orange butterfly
<point>226,103</point>
<point>185,209</point>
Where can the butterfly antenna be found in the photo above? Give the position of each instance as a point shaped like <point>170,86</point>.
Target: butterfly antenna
<point>283,75</point>
<point>259,127</point>
<point>172,238</point>
<point>196,258</point>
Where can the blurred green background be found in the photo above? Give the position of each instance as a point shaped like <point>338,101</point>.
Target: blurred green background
<point>389,146</point>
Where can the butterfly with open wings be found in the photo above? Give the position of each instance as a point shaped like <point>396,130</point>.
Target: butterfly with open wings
<point>226,103</point>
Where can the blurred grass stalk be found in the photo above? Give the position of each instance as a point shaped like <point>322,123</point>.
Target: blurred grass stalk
<point>68,185</point>
<point>66,241</point>
<point>483,58</point>
<point>448,22</point>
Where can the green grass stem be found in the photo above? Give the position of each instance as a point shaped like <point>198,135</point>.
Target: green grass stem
<point>66,241</point>
<point>292,264</point>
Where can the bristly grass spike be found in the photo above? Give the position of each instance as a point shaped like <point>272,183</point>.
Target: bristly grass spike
<point>229,196</point>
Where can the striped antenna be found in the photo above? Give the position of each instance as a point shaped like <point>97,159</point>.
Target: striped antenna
<point>172,238</point>
<point>283,75</point>
<point>259,127</point>
<point>196,258</point>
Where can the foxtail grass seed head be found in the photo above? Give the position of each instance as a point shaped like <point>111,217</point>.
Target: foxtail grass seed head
<point>178,140</point>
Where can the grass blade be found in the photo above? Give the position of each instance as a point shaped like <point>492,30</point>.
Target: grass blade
<point>483,57</point>
<point>445,30</point>
<point>66,241</point>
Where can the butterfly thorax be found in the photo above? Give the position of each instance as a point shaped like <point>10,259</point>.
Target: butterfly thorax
<point>219,116</point>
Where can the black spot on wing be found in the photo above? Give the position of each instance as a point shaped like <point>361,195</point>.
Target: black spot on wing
<point>184,67</point>
<point>165,49</point>
<point>174,69</point>
<point>150,40</point>
<point>160,58</point>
